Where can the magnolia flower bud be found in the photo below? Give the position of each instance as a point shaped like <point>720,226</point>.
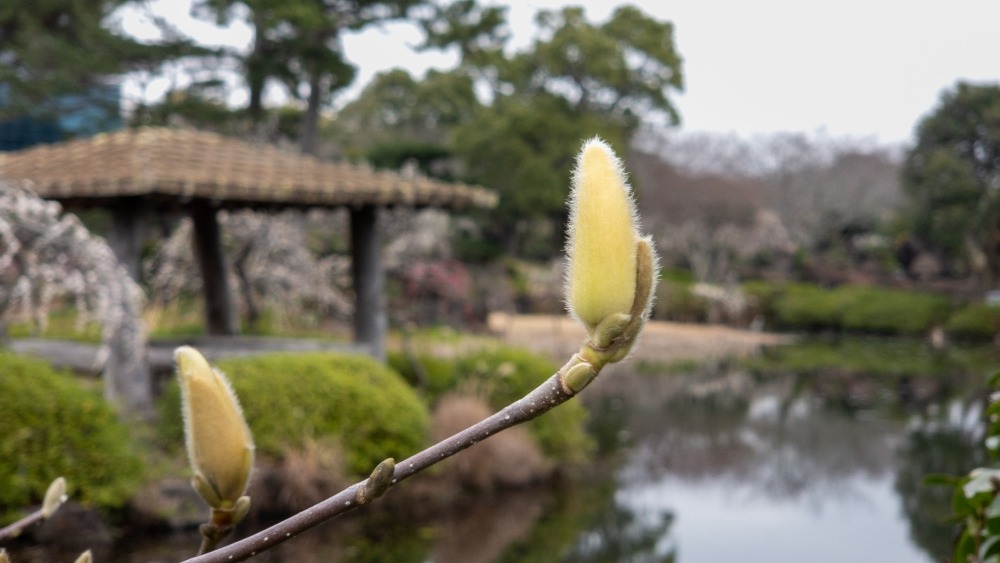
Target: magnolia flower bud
<point>602,237</point>
<point>218,440</point>
<point>602,241</point>
<point>85,557</point>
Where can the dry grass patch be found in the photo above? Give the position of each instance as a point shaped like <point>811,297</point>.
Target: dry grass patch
<point>508,459</point>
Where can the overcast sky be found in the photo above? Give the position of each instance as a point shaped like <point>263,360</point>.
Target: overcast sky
<point>861,68</point>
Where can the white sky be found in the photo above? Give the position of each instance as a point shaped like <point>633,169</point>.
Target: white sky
<point>861,68</point>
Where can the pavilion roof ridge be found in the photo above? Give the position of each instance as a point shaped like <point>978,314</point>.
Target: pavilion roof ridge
<point>187,163</point>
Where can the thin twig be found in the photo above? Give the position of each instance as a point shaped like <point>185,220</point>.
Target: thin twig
<point>15,529</point>
<point>55,496</point>
<point>544,398</point>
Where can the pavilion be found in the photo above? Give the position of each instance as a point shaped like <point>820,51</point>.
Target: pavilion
<point>137,173</point>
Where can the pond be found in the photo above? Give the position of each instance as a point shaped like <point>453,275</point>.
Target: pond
<point>716,464</point>
<point>793,468</point>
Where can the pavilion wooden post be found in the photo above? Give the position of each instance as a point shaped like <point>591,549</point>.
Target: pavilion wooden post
<point>125,236</point>
<point>128,381</point>
<point>370,322</point>
<point>219,316</point>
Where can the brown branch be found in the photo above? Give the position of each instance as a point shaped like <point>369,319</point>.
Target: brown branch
<point>544,398</point>
<point>15,529</point>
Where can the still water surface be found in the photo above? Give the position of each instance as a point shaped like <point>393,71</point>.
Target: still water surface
<point>778,472</point>
<point>717,465</point>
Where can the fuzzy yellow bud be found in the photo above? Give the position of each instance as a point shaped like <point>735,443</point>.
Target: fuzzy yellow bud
<point>601,246</point>
<point>85,557</point>
<point>218,440</point>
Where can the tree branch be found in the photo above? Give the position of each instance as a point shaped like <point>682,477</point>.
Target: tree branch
<point>15,529</point>
<point>542,399</point>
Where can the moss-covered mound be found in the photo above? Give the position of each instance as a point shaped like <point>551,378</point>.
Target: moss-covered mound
<point>51,426</point>
<point>292,399</point>
<point>503,375</point>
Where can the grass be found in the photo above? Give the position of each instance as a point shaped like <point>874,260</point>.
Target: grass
<point>62,324</point>
<point>181,319</point>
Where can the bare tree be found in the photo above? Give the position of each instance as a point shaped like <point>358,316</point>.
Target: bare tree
<point>711,199</point>
<point>47,256</point>
<point>273,264</point>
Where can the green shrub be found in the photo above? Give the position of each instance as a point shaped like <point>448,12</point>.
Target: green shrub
<point>289,399</point>
<point>676,302</point>
<point>507,374</point>
<point>807,307</point>
<point>853,309</point>
<point>51,426</point>
<point>761,298</point>
<point>437,375</point>
<point>976,321</point>
<point>884,311</point>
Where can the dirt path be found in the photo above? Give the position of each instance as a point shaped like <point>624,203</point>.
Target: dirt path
<point>560,337</point>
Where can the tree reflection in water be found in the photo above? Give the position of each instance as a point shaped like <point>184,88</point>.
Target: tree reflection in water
<point>793,449</point>
<point>588,525</point>
<point>948,442</point>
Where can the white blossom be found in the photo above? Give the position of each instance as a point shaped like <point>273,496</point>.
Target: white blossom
<point>46,257</point>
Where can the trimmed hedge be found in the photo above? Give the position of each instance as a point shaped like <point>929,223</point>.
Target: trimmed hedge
<point>808,307</point>
<point>884,311</point>
<point>51,426</point>
<point>438,374</point>
<point>976,321</point>
<point>884,357</point>
<point>852,309</point>
<point>675,302</point>
<point>289,399</point>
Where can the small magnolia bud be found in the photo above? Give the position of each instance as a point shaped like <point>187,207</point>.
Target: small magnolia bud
<point>4,558</point>
<point>601,245</point>
<point>218,440</point>
<point>54,497</point>
<point>85,557</point>
<point>378,482</point>
<point>579,376</point>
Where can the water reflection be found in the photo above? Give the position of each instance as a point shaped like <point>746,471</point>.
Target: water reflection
<point>787,468</point>
<point>950,443</point>
<point>590,525</point>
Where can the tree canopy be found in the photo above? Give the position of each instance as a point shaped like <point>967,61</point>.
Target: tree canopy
<point>297,44</point>
<point>510,120</point>
<point>534,107</point>
<point>952,176</point>
<point>56,51</point>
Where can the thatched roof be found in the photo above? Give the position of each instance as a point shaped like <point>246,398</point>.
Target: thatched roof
<point>177,164</point>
